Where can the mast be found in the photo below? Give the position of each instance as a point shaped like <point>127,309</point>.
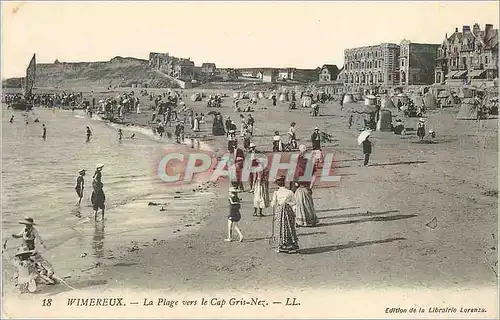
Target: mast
<point>30,78</point>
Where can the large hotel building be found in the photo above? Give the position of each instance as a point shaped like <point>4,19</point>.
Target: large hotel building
<point>371,66</point>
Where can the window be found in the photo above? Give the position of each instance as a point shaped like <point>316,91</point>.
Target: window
<point>486,59</point>
<point>402,63</point>
<point>389,77</point>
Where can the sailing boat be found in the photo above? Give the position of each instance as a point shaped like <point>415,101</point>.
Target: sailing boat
<point>26,103</point>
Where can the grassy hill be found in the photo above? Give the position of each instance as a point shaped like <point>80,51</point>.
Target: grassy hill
<point>119,71</point>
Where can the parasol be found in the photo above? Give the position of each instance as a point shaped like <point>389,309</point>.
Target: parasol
<point>363,135</point>
<point>212,113</point>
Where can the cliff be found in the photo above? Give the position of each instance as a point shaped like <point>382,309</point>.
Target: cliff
<point>119,71</point>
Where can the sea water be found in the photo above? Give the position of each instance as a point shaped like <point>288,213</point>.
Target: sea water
<point>39,179</point>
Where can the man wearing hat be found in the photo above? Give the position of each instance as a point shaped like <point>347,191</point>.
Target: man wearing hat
<point>80,182</point>
<point>29,234</point>
<point>316,139</point>
<point>421,129</point>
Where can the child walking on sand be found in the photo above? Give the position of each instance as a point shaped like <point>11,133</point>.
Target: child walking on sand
<point>234,215</point>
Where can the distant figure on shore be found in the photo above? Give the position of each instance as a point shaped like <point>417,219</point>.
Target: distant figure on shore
<point>132,136</point>
<point>120,134</point>
<point>80,185</point>
<point>98,199</point>
<point>11,119</point>
<point>350,121</point>
<point>316,139</point>
<point>367,150</point>
<point>277,144</point>
<point>44,132</point>
<point>284,232</point>
<point>234,215</point>
<point>421,129</point>
<point>261,192</point>
<point>89,134</point>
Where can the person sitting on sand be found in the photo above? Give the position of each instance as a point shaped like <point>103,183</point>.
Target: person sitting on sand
<point>29,236</point>
<point>234,215</point>
<point>277,144</point>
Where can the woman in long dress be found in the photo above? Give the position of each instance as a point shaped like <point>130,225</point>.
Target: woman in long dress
<point>284,232</point>
<point>304,209</point>
<point>261,192</point>
<point>196,126</point>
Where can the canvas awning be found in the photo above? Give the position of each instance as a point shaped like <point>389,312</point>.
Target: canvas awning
<point>476,73</point>
<point>459,74</point>
<point>450,74</point>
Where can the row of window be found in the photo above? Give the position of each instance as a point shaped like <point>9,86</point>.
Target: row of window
<point>363,65</point>
<point>366,79</point>
<point>365,54</point>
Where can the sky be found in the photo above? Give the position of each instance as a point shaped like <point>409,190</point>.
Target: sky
<point>230,34</point>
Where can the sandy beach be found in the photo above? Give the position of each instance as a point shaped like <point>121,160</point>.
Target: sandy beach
<point>373,223</point>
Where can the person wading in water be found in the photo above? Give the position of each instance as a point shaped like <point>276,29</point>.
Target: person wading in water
<point>44,133</point>
<point>89,134</point>
<point>80,182</point>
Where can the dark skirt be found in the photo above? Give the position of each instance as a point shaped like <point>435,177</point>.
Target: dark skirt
<point>284,233</point>
<point>235,217</point>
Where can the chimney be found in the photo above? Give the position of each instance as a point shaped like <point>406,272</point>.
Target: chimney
<point>465,29</point>
<point>487,29</point>
<point>476,28</point>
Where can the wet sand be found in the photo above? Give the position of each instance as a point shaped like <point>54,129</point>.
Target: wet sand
<point>373,229</point>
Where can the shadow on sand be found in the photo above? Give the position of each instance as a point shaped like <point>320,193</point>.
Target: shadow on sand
<point>346,246</point>
<point>396,163</point>
<point>389,218</point>
<point>337,209</point>
<point>361,214</point>
<point>298,234</point>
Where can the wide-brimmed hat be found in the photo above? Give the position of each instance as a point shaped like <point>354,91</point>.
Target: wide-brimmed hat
<point>24,250</point>
<point>28,221</point>
<point>233,190</point>
<point>316,128</point>
<point>302,148</point>
<point>82,171</point>
<point>99,166</point>
<point>276,132</point>
<point>280,179</point>
<point>252,145</point>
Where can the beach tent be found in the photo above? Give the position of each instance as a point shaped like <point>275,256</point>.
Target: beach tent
<point>261,95</point>
<point>283,97</point>
<point>348,98</point>
<point>370,100</point>
<point>358,97</point>
<point>468,110</point>
<point>386,102</point>
<point>429,101</point>
<point>385,121</point>
<point>236,95</point>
